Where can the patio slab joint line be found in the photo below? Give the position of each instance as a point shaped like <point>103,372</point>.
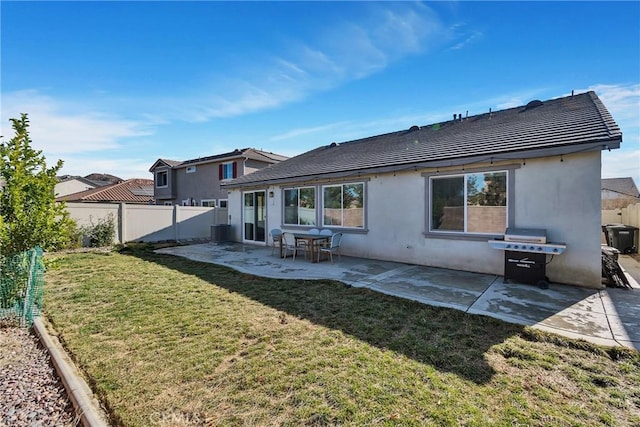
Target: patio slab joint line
<point>379,277</point>
<point>480,296</point>
<point>606,316</point>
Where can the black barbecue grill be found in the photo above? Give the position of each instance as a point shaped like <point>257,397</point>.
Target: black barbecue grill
<point>525,255</point>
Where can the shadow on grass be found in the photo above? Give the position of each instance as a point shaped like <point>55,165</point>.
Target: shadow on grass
<point>447,339</point>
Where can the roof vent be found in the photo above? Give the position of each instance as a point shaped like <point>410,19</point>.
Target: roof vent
<point>413,128</point>
<point>532,104</point>
<point>333,144</point>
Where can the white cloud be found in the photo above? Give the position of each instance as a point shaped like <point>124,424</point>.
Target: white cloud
<point>622,100</point>
<point>59,128</point>
<point>295,133</point>
<point>512,100</point>
<point>341,52</point>
<point>621,164</point>
<point>467,41</point>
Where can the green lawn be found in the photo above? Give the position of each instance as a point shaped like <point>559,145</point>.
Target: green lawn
<point>170,342</point>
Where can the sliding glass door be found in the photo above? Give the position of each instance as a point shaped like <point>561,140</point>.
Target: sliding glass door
<point>254,216</point>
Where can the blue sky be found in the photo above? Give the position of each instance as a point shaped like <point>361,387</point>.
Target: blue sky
<point>112,86</point>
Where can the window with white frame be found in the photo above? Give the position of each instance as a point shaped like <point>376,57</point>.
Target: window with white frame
<point>191,169</point>
<point>300,206</point>
<point>208,203</point>
<point>162,179</point>
<point>222,203</point>
<point>343,205</point>
<point>469,203</point>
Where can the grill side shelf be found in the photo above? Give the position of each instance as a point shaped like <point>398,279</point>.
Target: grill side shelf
<point>544,248</point>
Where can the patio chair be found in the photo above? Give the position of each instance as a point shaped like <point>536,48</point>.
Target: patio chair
<point>289,245</point>
<point>325,232</point>
<point>303,244</point>
<point>334,246</point>
<point>276,235</point>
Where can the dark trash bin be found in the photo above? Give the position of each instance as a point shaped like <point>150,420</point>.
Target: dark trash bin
<point>622,237</point>
<point>605,230</point>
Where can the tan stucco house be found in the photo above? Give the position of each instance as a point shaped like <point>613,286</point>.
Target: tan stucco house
<point>436,194</point>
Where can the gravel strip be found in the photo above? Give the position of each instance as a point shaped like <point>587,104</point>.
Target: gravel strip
<point>32,394</point>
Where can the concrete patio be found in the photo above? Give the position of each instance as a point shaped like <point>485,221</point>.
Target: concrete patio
<point>608,317</point>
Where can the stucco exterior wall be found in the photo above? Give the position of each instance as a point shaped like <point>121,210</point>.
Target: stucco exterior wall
<point>250,165</point>
<point>396,220</point>
<point>561,196</point>
<point>166,192</point>
<point>203,184</point>
<point>273,209</point>
<point>71,186</point>
<point>235,215</point>
<point>564,197</point>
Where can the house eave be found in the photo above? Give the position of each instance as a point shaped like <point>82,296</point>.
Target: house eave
<point>610,144</point>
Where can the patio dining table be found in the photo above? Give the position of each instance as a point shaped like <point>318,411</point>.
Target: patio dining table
<point>313,242</point>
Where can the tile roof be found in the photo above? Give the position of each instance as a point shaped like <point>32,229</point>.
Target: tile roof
<point>137,190</point>
<point>94,179</point>
<point>561,123</point>
<point>250,153</point>
<point>164,162</point>
<point>171,162</point>
<point>65,178</point>
<point>103,178</point>
<point>625,186</point>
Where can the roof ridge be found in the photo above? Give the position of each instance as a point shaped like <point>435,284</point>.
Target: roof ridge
<point>621,192</point>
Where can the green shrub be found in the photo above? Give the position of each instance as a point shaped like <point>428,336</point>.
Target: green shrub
<point>30,215</point>
<point>101,233</point>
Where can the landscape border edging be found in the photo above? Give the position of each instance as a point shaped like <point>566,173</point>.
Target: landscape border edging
<point>79,393</point>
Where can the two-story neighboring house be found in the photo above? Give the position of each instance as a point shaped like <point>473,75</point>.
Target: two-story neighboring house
<point>196,182</point>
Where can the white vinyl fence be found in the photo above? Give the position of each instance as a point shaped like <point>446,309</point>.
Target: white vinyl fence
<point>627,216</point>
<point>151,223</point>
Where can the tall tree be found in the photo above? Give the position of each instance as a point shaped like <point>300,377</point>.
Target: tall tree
<point>30,214</point>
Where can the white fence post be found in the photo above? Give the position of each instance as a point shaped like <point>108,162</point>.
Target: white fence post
<point>122,220</point>
<point>631,215</point>
<point>176,218</point>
